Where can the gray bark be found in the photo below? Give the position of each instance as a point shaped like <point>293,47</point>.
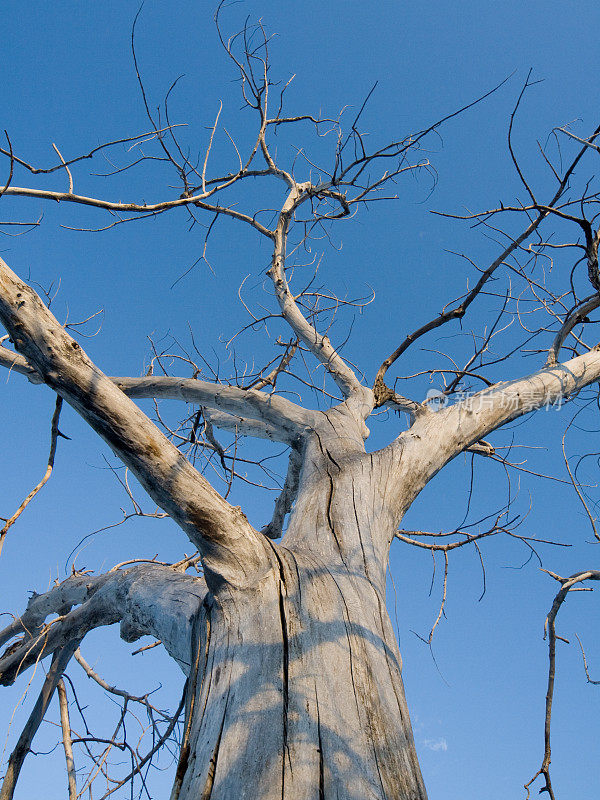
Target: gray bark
<point>298,692</point>
<point>294,678</point>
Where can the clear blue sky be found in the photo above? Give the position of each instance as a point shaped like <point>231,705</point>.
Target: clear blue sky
<point>68,78</point>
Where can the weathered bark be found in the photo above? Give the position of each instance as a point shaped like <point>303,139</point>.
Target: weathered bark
<point>232,550</point>
<point>294,686</point>
<point>297,689</point>
<point>294,680</point>
<point>145,599</point>
<point>299,693</point>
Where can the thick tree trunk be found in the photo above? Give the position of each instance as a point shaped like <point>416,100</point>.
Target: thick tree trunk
<point>297,691</point>
<point>298,694</point>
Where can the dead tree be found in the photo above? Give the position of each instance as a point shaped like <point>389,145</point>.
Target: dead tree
<point>294,686</point>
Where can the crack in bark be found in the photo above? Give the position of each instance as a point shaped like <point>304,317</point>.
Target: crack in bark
<point>321,764</point>
<point>284,668</point>
<point>332,459</point>
<point>331,492</point>
<point>206,670</point>
<point>329,519</point>
<point>285,679</point>
<point>360,539</point>
<point>191,685</point>
<point>328,457</point>
<point>212,767</point>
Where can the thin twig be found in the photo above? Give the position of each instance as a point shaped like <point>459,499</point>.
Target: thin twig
<point>54,434</point>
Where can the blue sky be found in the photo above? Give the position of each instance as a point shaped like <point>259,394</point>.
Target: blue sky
<point>68,78</point>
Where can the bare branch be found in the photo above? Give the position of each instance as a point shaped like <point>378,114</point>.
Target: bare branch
<point>455,428</point>
<point>585,664</point>
<point>198,200</point>
<point>550,630</point>
<point>114,690</point>
<point>155,749</point>
<point>12,164</point>
<point>64,163</point>
<point>574,317</point>
<point>145,599</point>
<point>75,590</point>
<point>251,404</point>
<point>266,416</point>
<point>54,434</point>
<point>220,532</point>
<point>15,762</point>
<point>65,725</point>
<point>286,498</point>
<point>318,344</point>
<point>250,427</point>
<point>89,155</point>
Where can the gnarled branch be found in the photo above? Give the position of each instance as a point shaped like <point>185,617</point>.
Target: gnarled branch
<point>145,599</point>
<point>222,534</point>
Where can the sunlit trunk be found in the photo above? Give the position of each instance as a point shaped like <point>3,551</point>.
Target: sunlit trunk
<point>297,691</point>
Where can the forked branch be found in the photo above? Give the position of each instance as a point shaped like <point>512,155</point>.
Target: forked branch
<point>567,585</point>
<point>145,599</point>
<point>59,663</point>
<point>221,533</point>
<point>54,434</point>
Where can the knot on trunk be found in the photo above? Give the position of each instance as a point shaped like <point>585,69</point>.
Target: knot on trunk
<point>383,394</point>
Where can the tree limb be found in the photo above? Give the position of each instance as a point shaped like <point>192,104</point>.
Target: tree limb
<point>576,316</point>
<point>54,434</point>
<point>276,413</point>
<point>484,412</point>
<point>198,200</point>
<point>65,724</point>
<point>16,363</point>
<point>285,500</point>
<point>59,663</point>
<point>228,544</point>
<point>266,416</point>
<point>145,599</point>
<point>436,438</point>
<point>318,344</point>
<point>550,631</point>
<point>249,427</point>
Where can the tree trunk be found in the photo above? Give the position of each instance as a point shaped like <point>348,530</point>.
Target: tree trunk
<point>297,690</point>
